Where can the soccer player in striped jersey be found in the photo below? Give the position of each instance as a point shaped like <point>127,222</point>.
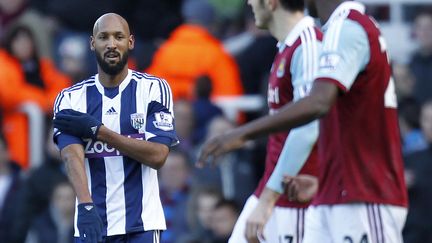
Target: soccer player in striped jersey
<point>290,79</point>
<point>114,131</point>
<point>362,195</point>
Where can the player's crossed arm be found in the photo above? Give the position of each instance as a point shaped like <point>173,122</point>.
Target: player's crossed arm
<point>83,125</point>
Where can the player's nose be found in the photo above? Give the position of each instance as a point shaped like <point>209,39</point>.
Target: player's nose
<point>111,43</point>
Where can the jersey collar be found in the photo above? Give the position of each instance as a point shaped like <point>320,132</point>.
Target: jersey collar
<point>343,9</point>
<point>294,34</point>
<point>122,85</point>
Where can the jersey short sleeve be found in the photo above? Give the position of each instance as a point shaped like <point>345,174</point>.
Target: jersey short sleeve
<point>345,54</point>
<point>61,139</point>
<point>304,67</point>
<point>160,125</point>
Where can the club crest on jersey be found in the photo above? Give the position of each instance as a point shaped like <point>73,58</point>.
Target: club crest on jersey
<point>163,121</point>
<point>137,120</point>
<point>329,61</point>
<point>281,69</point>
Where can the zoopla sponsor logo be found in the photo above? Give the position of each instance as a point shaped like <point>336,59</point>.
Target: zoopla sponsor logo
<point>99,149</point>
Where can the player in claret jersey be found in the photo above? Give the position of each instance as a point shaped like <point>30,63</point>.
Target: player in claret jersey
<point>362,195</point>
<point>291,76</point>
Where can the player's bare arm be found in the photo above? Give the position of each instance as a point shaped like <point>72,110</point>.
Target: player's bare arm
<point>147,153</point>
<point>73,156</point>
<point>260,215</point>
<point>294,114</point>
<point>316,105</point>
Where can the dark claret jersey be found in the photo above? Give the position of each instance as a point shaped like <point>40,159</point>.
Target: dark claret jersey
<point>291,78</point>
<point>360,157</point>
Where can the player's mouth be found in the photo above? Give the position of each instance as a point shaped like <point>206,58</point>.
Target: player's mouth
<point>112,56</point>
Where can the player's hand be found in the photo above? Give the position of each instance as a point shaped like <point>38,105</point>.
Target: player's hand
<point>256,221</point>
<point>76,123</point>
<point>89,223</point>
<point>300,188</point>
<point>219,145</point>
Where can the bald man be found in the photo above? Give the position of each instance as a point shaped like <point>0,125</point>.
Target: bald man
<point>114,131</point>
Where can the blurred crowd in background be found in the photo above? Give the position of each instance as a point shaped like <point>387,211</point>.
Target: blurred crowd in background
<point>216,62</point>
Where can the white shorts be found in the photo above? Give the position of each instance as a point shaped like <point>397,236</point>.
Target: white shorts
<point>354,223</point>
<point>284,226</point>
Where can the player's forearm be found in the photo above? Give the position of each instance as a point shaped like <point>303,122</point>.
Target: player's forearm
<point>148,153</point>
<point>73,156</point>
<point>269,197</point>
<point>290,116</point>
<point>295,114</point>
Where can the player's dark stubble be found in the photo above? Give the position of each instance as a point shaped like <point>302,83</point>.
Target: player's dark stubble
<point>109,68</point>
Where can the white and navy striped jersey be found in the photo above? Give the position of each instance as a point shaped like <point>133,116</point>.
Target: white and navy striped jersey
<point>125,192</point>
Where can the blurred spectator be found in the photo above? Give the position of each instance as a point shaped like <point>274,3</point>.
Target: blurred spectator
<point>61,17</point>
<point>9,185</point>
<point>10,11</point>
<point>35,193</point>
<point>37,80</point>
<point>204,109</point>
<point>254,51</point>
<point>174,191</point>
<point>152,22</point>
<point>149,20</point>
<point>191,51</point>
<point>227,9</point>
<point>235,174</point>
<point>228,18</point>
<point>419,169</point>
<point>184,123</point>
<point>200,210</point>
<point>55,224</point>
<point>421,62</point>
<point>154,19</point>
<point>224,217</point>
<point>72,57</point>
<point>412,136</point>
<point>71,47</point>
<point>19,12</point>
<point>404,81</point>
<point>65,12</point>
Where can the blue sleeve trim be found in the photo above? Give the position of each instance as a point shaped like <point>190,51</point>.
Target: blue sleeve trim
<point>163,140</point>
<point>161,128</point>
<point>62,140</point>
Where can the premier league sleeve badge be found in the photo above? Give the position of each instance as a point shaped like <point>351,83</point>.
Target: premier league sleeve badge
<point>163,121</point>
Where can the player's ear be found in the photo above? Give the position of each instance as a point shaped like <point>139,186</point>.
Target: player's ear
<point>131,42</point>
<point>92,43</point>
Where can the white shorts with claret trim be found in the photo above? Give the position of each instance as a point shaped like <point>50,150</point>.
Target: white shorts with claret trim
<point>354,223</point>
<point>284,226</point>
